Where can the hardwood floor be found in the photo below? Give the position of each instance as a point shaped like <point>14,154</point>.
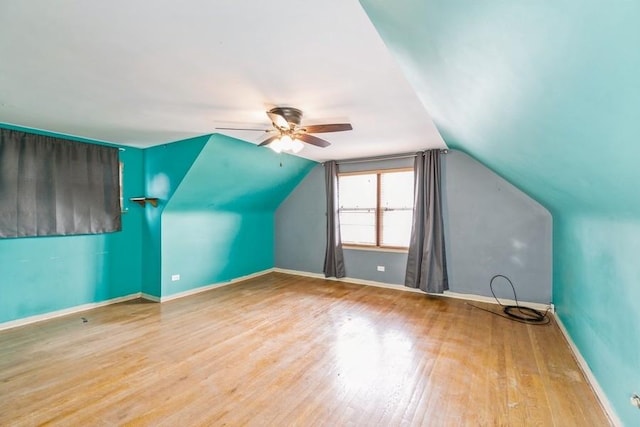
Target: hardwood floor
<point>285,350</point>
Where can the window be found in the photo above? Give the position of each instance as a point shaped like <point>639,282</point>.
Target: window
<point>376,208</point>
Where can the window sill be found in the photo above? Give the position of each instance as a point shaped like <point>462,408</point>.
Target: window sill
<point>375,249</point>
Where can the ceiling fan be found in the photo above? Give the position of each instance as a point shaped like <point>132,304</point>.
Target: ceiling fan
<point>289,135</point>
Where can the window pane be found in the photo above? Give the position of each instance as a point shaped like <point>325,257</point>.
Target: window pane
<point>396,228</point>
<point>358,227</point>
<point>357,191</point>
<point>396,194</point>
<point>396,190</point>
<point>357,200</point>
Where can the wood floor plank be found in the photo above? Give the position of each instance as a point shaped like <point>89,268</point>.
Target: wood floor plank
<point>285,350</point>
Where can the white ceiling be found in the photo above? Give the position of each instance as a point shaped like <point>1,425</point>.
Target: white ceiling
<point>143,73</point>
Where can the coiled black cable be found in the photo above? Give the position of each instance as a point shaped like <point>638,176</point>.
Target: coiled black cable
<point>516,312</point>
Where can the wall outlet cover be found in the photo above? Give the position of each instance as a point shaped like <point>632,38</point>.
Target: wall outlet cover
<point>381,268</point>
<point>175,277</point>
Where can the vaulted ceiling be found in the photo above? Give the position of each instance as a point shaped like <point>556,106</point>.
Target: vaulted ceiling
<point>546,93</point>
<point>148,73</point>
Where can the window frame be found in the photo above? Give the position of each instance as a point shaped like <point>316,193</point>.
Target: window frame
<point>123,210</point>
<point>378,210</point>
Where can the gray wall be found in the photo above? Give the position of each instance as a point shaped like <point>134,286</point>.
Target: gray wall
<point>301,224</point>
<point>300,231</point>
<point>491,228</point>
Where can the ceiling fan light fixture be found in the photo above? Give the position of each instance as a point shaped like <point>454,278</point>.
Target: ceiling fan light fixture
<point>287,134</point>
<point>287,144</point>
<point>276,146</point>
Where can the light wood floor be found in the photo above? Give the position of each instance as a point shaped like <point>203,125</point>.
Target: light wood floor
<point>284,350</point>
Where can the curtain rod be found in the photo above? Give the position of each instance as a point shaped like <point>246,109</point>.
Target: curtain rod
<point>390,157</point>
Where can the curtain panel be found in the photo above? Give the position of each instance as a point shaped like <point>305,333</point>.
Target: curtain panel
<point>52,186</point>
<point>426,260</point>
<point>333,259</point>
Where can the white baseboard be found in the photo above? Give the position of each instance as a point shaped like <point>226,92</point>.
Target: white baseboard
<point>604,401</point>
<point>504,301</point>
<point>84,307</point>
<point>64,312</point>
<point>448,294</point>
<point>346,279</point>
<point>150,297</point>
<point>209,287</point>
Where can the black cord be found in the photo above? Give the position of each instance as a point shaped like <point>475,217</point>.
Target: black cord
<point>516,312</point>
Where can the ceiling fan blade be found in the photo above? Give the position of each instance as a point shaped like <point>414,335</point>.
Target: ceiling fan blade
<point>268,140</point>
<point>333,127</point>
<point>256,130</point>
<point>313,140</point>
<point>278,120</point>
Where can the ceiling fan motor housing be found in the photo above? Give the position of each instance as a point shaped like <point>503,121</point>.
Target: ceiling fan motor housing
<point>292,115</point>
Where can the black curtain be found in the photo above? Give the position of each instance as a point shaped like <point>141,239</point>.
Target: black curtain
<point>427,261</point>
<point>52,186</point>
<point>333,258</point>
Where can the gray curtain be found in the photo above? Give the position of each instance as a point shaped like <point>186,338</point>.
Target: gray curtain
<point>426,262</point>
<point>52,186</point>
<point>333,259</point>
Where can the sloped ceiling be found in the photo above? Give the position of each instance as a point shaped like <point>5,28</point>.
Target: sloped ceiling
<point>546,93</point>
<point>231,175</point>
<point>148,73</point>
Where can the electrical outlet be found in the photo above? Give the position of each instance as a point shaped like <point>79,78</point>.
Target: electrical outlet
<point>381,268</point>
<point>175,277</point>
<point>635,401</point>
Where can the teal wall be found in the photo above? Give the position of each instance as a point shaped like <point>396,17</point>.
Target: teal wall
<point>44,274</point>
<point>164,169</point>
<point>600,300</point>
<point>214,222</point>
<point>207,247</point>
<point>546,93</point>
<point>219,223</point>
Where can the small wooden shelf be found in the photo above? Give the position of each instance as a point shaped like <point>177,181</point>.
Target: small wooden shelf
<point>142,201</point>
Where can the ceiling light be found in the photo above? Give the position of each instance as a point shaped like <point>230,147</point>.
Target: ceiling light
<point>276,145</point>
<point>287,144</point>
